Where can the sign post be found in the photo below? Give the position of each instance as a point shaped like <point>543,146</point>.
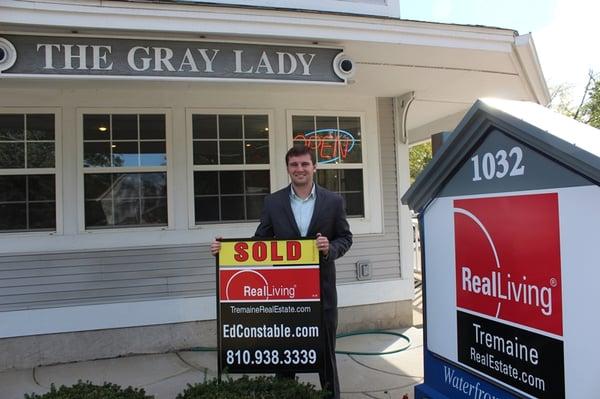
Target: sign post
<point>269,306</point>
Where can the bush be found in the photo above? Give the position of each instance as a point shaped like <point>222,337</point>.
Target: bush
<point>87,390</point>
<point>256,388</point>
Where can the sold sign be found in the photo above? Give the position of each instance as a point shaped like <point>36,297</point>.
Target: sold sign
<point>268,253</point>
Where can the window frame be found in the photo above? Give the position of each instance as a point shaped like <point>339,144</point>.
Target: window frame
<point>372,221</point>
<point>225,228</point>
<point>82,170</point>
<point>57,170</point>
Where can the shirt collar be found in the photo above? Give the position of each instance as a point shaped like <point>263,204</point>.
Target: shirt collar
<point>295,197</point>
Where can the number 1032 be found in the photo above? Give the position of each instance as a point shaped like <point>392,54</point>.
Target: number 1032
<point>499,165</point>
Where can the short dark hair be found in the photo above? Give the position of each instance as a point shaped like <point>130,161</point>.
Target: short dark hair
<point>298,150</point>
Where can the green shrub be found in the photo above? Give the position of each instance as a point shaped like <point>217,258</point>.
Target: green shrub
<point>252,388</point>
<point>87,390</point>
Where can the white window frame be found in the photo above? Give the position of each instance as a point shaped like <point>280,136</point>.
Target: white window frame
<point>225,229</point>
<point>81,170</point>
<point>57,170</point>
<point>372,221</point>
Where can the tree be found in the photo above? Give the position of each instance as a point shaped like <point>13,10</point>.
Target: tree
<point>418,157</point>
<point>560,99</point>
<point>589,108</point>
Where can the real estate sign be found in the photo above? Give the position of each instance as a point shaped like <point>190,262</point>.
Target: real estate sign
<point>269,306</point>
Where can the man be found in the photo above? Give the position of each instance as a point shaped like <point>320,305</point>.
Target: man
<point>306,209</point>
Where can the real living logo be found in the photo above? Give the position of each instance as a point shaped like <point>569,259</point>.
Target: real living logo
<point>270,284</point>
<point>507,252</point>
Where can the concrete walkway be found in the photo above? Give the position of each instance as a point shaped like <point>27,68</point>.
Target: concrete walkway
<point>165,375</point>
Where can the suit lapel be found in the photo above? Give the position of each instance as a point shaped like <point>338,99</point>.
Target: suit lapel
<point>288,211</point>
<point>315,216</point>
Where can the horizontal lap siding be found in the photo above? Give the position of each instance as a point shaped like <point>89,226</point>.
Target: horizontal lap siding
<point>78,278</point>
<point>382,251</point>
<point>46,280</point>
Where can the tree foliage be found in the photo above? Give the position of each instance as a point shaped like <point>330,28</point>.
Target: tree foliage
<point>418,157</point>
<point>589,111</point>
<point>588,107</point>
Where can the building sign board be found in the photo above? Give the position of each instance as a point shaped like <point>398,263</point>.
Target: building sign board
<point>134,58</point>
<point>269,306</point>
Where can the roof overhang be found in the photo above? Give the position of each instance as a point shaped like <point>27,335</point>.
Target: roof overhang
<point>448,67</point>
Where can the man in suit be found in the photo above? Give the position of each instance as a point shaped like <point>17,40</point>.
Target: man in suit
<point>305,209</point>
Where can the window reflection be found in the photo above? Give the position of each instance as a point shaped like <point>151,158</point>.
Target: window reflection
<point>129,199</point>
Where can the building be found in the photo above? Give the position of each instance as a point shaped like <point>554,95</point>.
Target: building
<point>133,132</point>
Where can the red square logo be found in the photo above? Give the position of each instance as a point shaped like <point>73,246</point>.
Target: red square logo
<point>508,259</point>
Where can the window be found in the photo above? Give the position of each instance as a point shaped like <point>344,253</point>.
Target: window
<point>27,172</point>
<point>125,170</point>
<point>337,144</point>
<point>231,166</point>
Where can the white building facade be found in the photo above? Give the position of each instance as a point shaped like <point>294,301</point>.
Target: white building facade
<point>132,133</point>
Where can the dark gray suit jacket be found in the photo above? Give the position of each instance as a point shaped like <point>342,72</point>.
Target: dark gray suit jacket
<point>329,219</point>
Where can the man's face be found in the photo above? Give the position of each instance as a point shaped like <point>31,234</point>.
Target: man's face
<point>301,170</point>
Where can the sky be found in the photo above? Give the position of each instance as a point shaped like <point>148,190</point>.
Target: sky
<point>564,31</point>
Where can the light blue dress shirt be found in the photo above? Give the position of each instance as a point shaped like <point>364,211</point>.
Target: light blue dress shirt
<point>302,209</point>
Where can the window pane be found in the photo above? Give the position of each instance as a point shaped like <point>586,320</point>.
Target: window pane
<point>152,127</point>
<point>124,127</point>
<point>354,204</point>
<point>350,153</point>
<point>328,149</point>
<point>40,127</point>
<point>12,127</point>
<point>206,209</point>
<point>257,152</point>
<point>125,153</point>
<point>126,185</point>
<point>41,187</point>
<point>204,126</point>
<point>254,204</point>
<point>40,155</point>
<point>98,213</point>
<point>13,216</point>
<point>96,127</point>
<point>154,211</point>
<point>328,178</point>
<point>258,181</point>
<point>205,152</point>
<point>42,215</point>
<point>13,188</point>
<point>127,212</point>
<point>351,180</point>
<point>153,153</point>
<point>256,126</point>
<point>154,184</point>
<point>96,154</point>
<point>351,125</point>
<point>12,155</point>
<point>230,126</point>
<point>232,208</point>
<point>232,182</point>
<point>326,122</point>
<point>302,125</point>
<point>206,183</point>
<point>97,186</point>
<point>231,152</point>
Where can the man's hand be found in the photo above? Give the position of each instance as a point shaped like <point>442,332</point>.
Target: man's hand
<point>322,244</point>
<point>215,246</point>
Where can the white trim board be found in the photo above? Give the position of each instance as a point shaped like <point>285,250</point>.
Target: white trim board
<point>145,313</point>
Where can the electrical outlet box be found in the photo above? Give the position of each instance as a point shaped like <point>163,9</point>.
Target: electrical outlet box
<point>363,270</point>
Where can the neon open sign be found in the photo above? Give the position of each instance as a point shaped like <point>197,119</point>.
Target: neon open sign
<point>331,145</point>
